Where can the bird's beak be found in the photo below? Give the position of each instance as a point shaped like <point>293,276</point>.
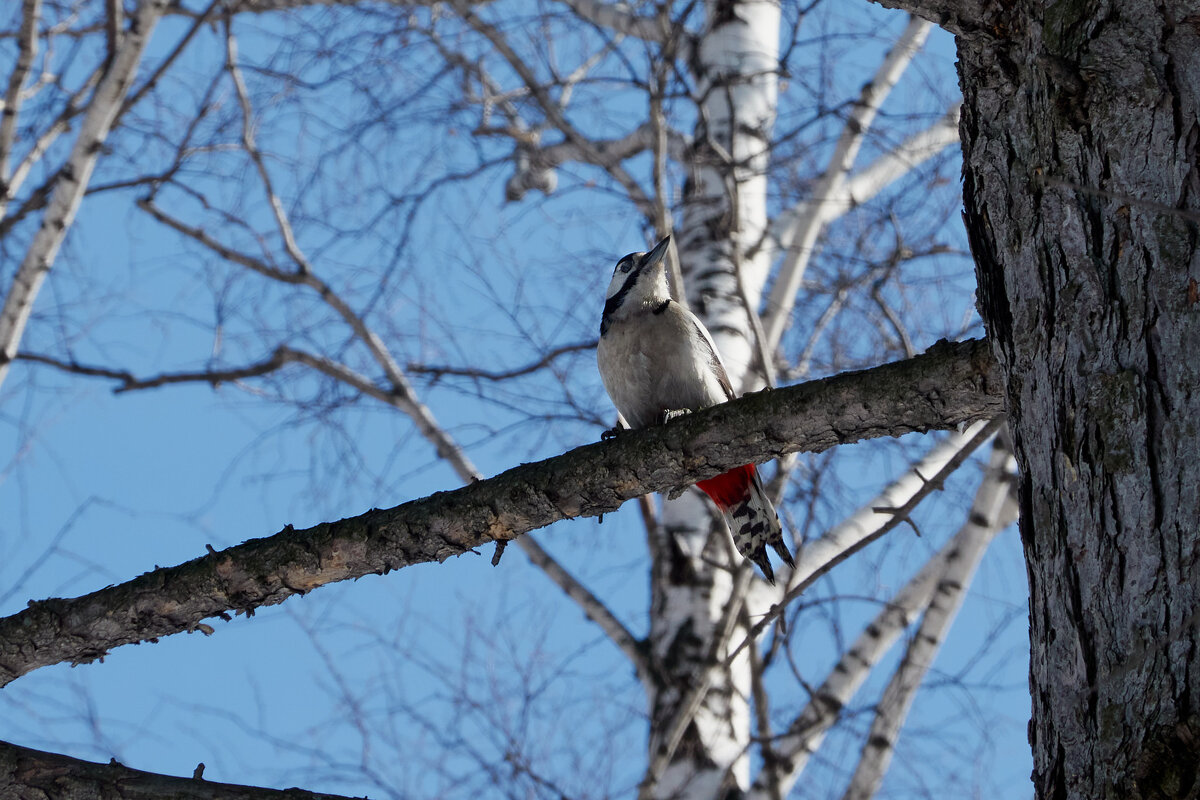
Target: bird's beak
<point>656,255</point>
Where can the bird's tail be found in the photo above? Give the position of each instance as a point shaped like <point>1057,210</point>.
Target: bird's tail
<point>752,519</point>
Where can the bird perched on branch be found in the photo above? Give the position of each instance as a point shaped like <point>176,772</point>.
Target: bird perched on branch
<point>658,361</point>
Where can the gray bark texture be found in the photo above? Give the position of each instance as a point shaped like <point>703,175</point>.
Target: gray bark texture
<point>1082,190</point>
<point>27,774</point>
<point>950,385</point>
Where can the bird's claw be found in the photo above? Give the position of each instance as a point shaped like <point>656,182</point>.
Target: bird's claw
<point>611,433</point>
<point>669,414</point>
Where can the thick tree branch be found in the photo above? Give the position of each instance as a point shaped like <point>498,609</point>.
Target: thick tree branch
<point>26,773</point>
<point>951,384</point>
<point>961,17</point>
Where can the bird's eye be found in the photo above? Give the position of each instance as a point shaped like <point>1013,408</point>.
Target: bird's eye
<point>625,265</point>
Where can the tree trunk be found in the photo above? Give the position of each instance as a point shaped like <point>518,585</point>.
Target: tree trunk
<point>1081,146</point>
<point>725,205</point>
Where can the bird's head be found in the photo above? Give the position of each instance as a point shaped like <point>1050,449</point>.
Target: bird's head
<point>639,276</point>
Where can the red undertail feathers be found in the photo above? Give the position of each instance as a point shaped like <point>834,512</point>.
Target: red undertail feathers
<point>751,517</point>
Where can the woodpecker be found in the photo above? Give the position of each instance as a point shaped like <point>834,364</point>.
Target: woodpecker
<point>658,361</point>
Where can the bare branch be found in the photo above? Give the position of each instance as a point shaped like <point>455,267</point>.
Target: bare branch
<point>802,238</point>
<point>495,375</point>
<point>281,218</point>
<point>72,181</point>
<point>113,23</point>
<point>552,109</point>
<point>913,151</point>
<point>872,521</point>
<point>401,394</point>
<point>27,45</point>
<point>951,384</point>
<point>165,64</point>
<point>993,510</point>
<point>633,648</point>
<point>39,198</point>
<point>942,579</point>
<point>129,383</point>
<point>33,773</point>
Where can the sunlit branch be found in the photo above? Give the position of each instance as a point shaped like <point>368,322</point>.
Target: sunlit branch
<point>937,586</point>
<point>869,181</point>
<point>909,154</point>
<point>248,143</point>
<point>993,510</point>
<point>801,239</point>
<point>949,385</point>
<point>73,180</point>
<point>38,199</point>
<point>552,109</point>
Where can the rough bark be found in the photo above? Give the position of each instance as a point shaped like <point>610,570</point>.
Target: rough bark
<point>950,385</point>
<point>27,774</point>
<point>1082,192</point>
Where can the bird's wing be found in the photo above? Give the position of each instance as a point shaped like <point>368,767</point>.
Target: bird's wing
<point>714,357</point>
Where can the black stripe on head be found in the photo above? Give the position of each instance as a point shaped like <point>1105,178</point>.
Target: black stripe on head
<point>611,305</point>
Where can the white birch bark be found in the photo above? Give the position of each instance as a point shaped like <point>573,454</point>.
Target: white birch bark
<point>735,66</point>
<point>73,180</point>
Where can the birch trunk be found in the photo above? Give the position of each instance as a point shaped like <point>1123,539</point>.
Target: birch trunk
<point>73,179</point>
<point>725,211</point>
<point>1081,147</point>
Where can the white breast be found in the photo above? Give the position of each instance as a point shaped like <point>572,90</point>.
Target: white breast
<point>651,363</point>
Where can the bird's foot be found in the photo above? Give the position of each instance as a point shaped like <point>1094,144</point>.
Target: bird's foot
<point>611,433</point>
<point>669,414</point>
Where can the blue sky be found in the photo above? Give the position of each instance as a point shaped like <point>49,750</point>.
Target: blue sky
<point>97,488</point>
